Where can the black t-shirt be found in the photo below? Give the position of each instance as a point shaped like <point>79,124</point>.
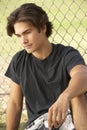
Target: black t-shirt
<point>42,81</point>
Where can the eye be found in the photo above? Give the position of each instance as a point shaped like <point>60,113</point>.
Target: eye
<point>17,35</point>
<point>28,31</point>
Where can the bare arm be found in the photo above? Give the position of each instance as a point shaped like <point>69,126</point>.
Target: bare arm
<point>14,108</point>
<point>76,87</point>
<point>78,82</point>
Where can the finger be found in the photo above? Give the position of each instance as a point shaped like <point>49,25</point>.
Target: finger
<point>50,118</point>
<point>55,124</point>
<point>59,117</point>
<point>63,116</point>
<point>54,119</point>
<point>54,115</point>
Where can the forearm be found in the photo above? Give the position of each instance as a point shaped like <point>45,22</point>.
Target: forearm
<point>13,116</point>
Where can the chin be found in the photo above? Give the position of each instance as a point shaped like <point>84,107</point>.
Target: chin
<point>29,51</point>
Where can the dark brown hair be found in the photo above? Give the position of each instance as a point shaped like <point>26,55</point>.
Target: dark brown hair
<point>29,12</point>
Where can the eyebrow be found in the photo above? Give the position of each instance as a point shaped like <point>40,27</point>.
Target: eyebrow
<point>23,32</point>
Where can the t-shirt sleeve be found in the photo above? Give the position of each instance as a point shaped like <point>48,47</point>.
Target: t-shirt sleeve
<point>12,70</point>
<point>73,58</point>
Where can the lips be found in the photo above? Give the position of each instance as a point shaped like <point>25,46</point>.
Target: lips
<point>28,46</point>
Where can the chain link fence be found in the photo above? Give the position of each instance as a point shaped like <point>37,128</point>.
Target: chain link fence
<point>69,19</point>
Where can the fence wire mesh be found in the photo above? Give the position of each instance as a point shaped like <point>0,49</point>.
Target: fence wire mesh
<point>69,18</point>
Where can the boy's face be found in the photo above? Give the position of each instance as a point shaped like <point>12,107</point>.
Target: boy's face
<point>30,38</point>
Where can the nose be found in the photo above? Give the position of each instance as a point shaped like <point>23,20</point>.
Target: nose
<point>24,40</point>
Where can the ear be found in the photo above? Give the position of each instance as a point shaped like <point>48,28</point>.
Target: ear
<point>44,28</point>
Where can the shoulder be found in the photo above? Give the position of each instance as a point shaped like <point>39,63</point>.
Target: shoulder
<point>19,56</point>
<point>63,50</point>
<point>61,46</point>
<point>18,60</point>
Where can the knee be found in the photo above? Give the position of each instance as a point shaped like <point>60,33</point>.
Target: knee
<point>79,104</point>
<point>82,99</point>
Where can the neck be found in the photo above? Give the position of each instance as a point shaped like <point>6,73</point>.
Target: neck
<point>44,52</point>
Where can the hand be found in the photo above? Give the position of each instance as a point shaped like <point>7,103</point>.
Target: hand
<point>57,112</point>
